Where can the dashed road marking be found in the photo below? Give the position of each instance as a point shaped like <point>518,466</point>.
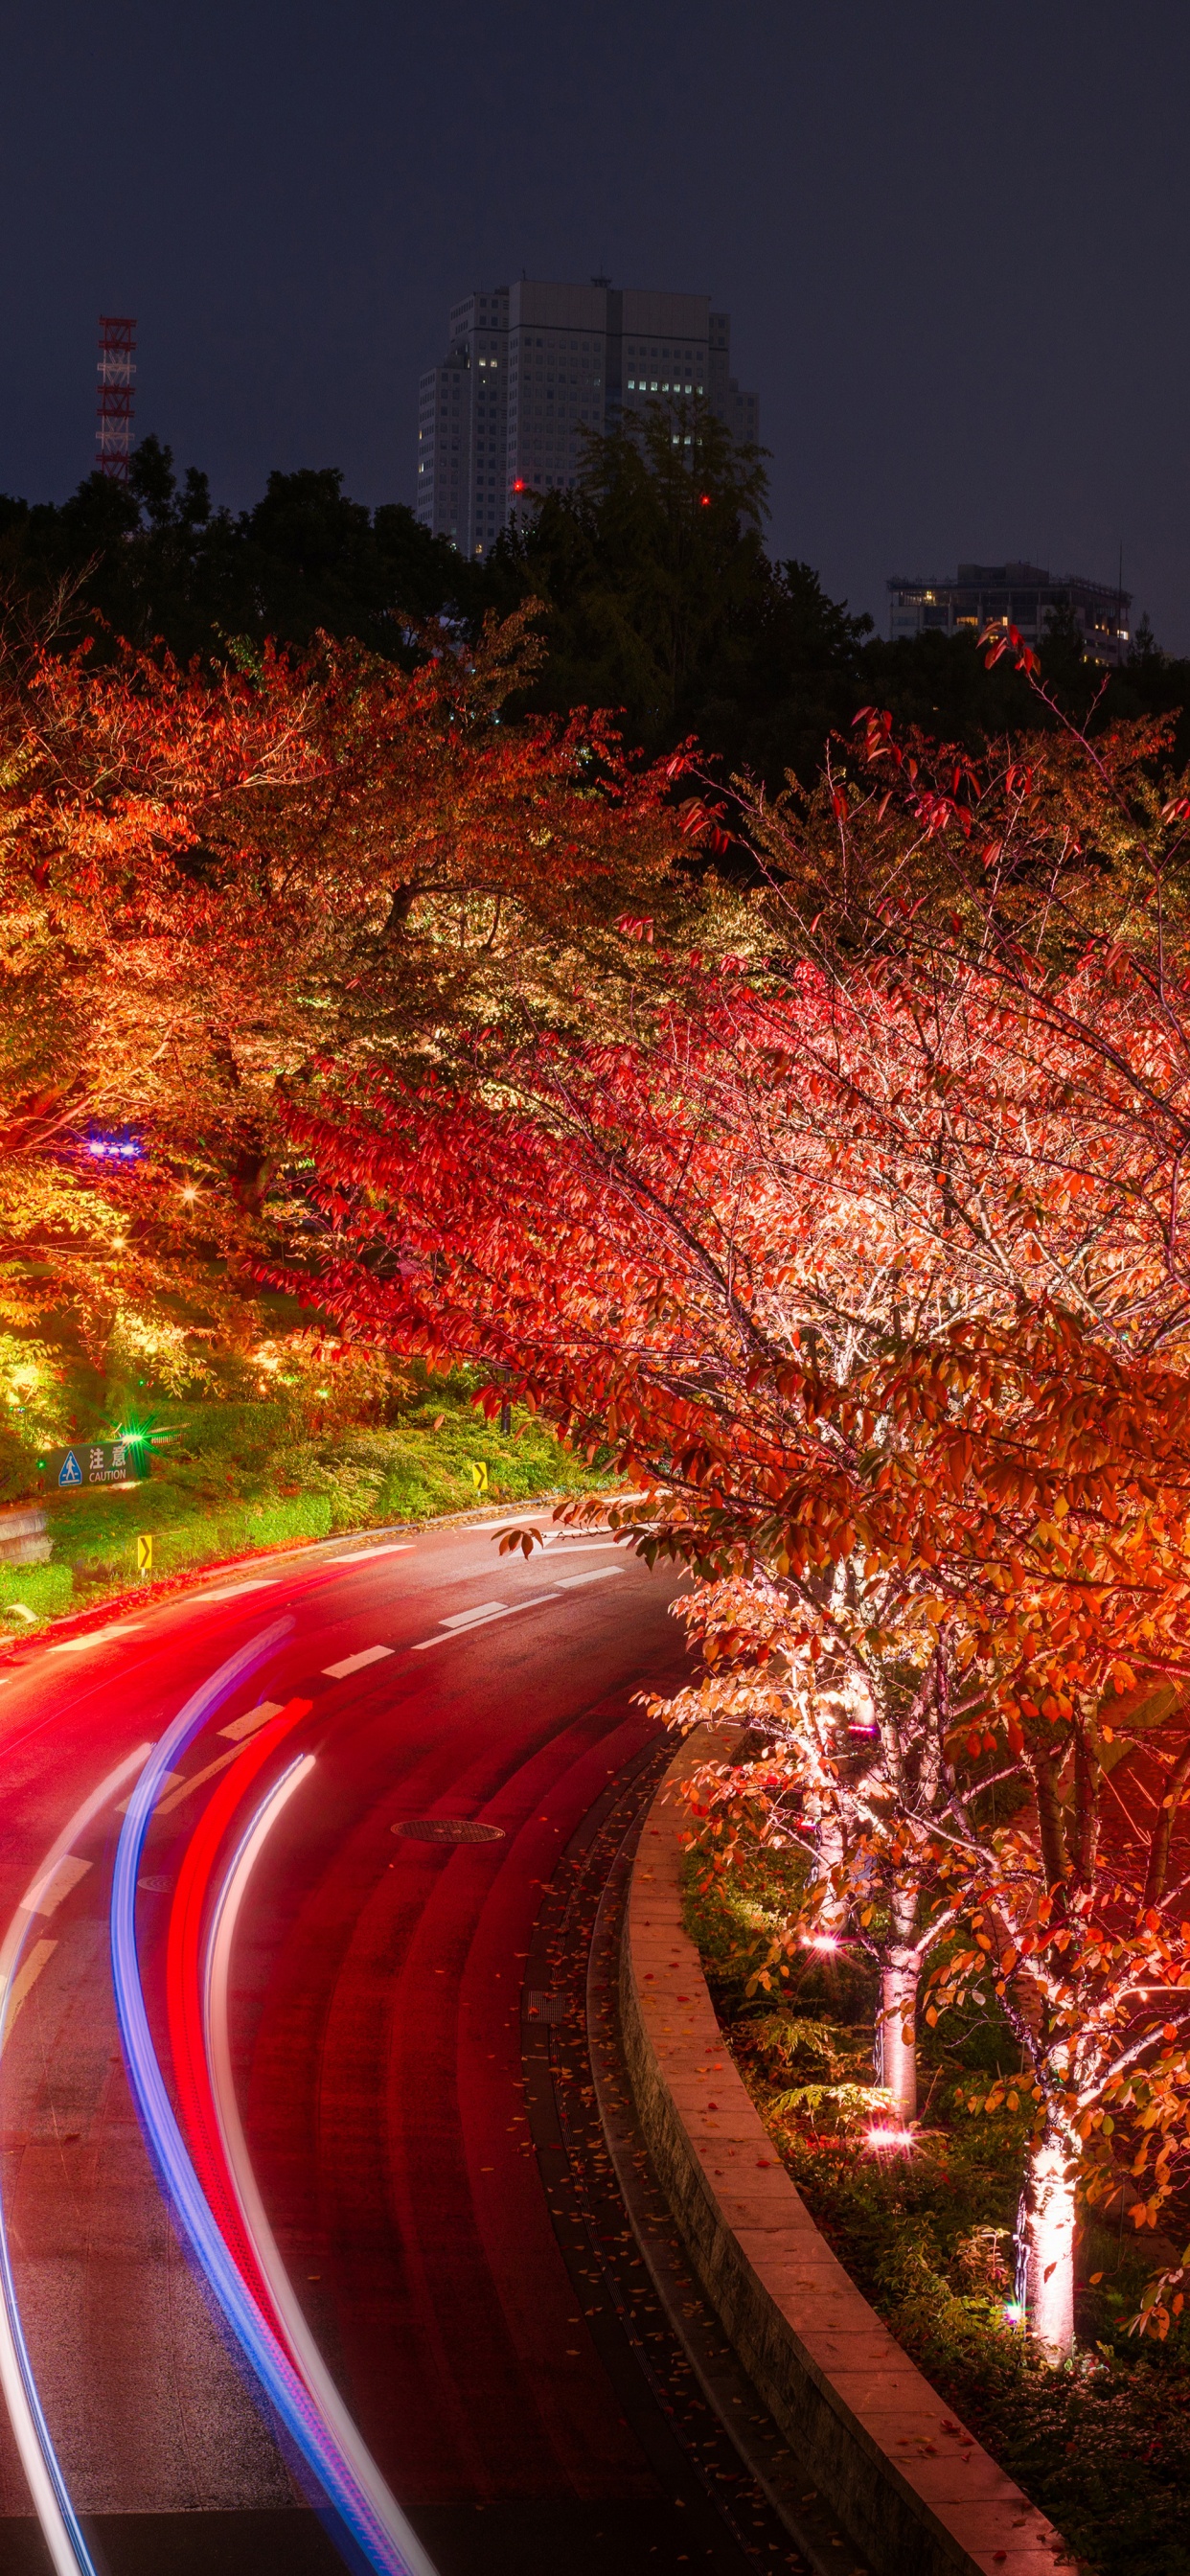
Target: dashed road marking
<point>195,1781</point>
<point>484,1529</point>
<point>355,1663</point>
<point>579,1546</point>
<point>232,1591</point>
<point>125,1803</point>
<point>26,1976</point>
<point>597,1574</point>
<point>46,1894</point>
<point>97,1637</point>
<point>254,1718</point>
<point>460,1625</point>
<point>364,1555</point>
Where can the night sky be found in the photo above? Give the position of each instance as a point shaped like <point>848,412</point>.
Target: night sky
<point>952,237</point>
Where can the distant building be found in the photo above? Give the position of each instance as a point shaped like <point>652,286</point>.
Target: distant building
<point>531,366</point>
<point>1013,594</point>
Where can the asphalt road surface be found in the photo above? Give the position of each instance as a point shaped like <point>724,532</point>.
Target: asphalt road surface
<point>407,2036</point>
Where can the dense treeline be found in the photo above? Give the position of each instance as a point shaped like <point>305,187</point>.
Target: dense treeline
<point>658,599</point>
<point>153,561</point>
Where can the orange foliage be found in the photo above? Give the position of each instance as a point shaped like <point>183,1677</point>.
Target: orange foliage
<point>871,1266</point>
<point>206,880</point>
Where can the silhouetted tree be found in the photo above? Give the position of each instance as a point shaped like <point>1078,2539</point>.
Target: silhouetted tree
<point>153,563</point>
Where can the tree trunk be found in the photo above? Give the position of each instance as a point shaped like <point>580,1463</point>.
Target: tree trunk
<point>896,2033</point>
<point>1045,2249</point>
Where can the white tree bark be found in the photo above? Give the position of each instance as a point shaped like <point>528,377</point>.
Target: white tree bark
<point>1046,2249</point>
<point>897,2054</point>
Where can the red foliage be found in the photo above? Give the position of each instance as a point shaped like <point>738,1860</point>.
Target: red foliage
<point>208,879</point>
<point>875,1276</point>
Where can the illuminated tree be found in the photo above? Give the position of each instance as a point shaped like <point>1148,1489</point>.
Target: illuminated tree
<point>728,1249</point>
<point>845,1747</point>
<point>207,881</point>
<point>1055,1878</point>
<point>1026,919</point>
<point>1074,1919</point>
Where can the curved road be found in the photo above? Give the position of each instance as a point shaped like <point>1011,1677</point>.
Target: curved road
<point>407,2042</point>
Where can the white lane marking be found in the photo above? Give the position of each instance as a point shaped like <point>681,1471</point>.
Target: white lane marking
<point>97,1637</point>
<point>194,1781</point>
<point>579,1546</point>
<point>125,1803</point>
<point>260,2236</point>
<point>38,2459</point>
<point>26,1976</point>
<point>355,1663</point>
<point>481,1610</point>
<point>364,1555</point>
<point>482,1529</point>
<point>46,1896</point>
<point>232,1591</point>
<point>445,1633</point>
<point>597,1574</point>
<point>256,1717</point>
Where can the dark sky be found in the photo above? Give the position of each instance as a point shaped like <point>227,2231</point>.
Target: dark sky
<point>952,235</point>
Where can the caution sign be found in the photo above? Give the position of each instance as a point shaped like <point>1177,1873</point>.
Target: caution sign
<point>97,1462</point>
<point>479,1478</point>
<point>144,1552</point>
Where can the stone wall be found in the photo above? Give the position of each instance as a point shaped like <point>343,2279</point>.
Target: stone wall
<point>24,1534</point>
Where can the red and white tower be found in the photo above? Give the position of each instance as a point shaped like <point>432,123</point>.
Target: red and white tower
<point>113,438</point>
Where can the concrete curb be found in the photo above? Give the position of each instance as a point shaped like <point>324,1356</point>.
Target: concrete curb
<point>916,2491</point>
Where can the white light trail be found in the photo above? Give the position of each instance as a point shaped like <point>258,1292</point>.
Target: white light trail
<point>260,2236</point>
<point>47,2486</point>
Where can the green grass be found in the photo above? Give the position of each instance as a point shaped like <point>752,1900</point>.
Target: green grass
<point>1103,2446</point>
<point>252,1474</point>
<point>42,1591</point>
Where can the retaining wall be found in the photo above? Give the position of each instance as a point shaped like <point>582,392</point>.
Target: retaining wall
<point>916,2491</point>
<point>24,1534</point>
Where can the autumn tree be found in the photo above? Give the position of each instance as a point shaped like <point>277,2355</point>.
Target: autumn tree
<point>210,882</point>
<point>1081,1935</point>
<point>841,1759</point>
<point>732,1249</point>
<point>1062,1855</point>
<point>1027,913</point>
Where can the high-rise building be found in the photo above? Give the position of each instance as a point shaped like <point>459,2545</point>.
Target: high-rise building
<point>1023,595</point>
<point>530,367</point>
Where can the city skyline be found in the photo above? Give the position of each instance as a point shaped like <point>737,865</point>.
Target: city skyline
<point>961,341</point>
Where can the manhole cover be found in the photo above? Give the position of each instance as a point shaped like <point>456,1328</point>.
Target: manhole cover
<point>448,1829</point>
<point>539,2007</point>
